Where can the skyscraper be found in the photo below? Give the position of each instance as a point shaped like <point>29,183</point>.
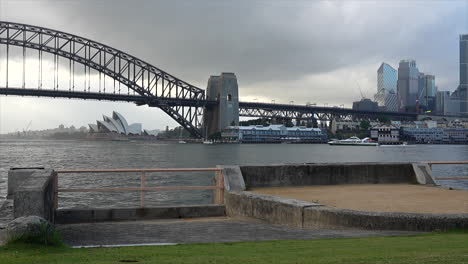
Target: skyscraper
<point>391,101</point>
<point>386,82</point>
<point>463,87</point>
<point>407,85</point>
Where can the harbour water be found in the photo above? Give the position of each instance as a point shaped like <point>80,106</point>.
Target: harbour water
<point>113,155</point>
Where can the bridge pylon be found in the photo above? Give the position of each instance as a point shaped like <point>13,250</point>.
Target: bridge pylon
<point>224,89</point>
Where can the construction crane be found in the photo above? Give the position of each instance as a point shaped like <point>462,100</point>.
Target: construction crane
<point>360,90</point>
<point>25,130</point>
<point>417,100</point>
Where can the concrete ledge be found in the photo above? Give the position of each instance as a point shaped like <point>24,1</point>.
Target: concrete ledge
<point>326,217</point>
<point>272,209</point>
<point>67,216</point>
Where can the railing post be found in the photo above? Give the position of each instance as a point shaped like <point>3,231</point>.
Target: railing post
<point>142,193</point>
<point>218,192</point>
<point>55,190</point>
<point>221,185</point>
<point>215,191</point>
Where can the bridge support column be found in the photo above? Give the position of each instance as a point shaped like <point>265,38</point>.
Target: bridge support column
<point>224,89</point>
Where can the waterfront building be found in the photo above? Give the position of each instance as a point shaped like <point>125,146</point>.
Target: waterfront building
<point>117,124</point>
<point>435,135</point>
<point>386,83</point>
<point>407,85</point>
<point>365,105</point>
<point>273,134</point>
<point>385,134</point>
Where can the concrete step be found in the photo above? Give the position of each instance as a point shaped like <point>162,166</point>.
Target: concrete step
<point>68,216</point>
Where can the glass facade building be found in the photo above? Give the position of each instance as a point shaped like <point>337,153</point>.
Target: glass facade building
<point>386,83</point>
<point>391,101</point>
<point>407,85</point>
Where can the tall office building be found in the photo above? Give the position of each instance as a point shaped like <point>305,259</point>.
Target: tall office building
<point>386,83</point>
<point>463,87</point>
<point>391,101</point>
<point>430,92</point>
<point>407,85</point>
<point>427,92</point>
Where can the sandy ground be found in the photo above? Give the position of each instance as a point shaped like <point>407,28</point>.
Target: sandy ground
<point>378,197</point>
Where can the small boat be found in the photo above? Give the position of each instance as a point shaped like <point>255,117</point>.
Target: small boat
<point>207,142</point>
<point>182,142</point>
<point>354,141</point>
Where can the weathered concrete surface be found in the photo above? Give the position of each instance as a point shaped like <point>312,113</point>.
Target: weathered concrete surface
<point>272,209</point>
<point>35,195</point>
<point>326,217</point>
<point>119,214</point>
<point>6,212</point>
<point>201,230</point>
<point>233,180</point>
<point>423,173</point>
<point>16,177</point>
<point>324,174</point>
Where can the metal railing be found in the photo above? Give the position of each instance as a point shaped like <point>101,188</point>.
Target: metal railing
<point>218,187</point>
<point>430,163</point>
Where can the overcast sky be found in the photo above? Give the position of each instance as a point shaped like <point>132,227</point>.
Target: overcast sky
<point>301,51</point>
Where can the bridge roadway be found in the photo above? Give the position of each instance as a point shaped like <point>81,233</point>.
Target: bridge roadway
<point>248,109</point>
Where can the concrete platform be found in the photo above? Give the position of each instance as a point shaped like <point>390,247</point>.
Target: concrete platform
<point>200,230</point>
<point>402,198</point>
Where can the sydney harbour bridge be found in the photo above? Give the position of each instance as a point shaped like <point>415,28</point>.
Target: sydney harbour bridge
<point>85,69</point>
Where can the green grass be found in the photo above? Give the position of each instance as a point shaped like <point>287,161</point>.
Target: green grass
<point>428,248</point>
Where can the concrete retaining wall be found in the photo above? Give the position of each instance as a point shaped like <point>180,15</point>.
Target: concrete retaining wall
<point>269,208</point>
<point>66,216</point>
<point>326,217</point>
<point>302,214</point>
<point>32,191</point>
<point>326,174</point>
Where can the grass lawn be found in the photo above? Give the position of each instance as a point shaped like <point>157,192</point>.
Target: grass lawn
<point>428,248</point>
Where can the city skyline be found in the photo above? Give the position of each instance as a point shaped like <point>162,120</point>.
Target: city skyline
<point>270,57</point>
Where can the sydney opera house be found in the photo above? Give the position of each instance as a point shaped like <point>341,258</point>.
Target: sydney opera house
<point>116,127</point>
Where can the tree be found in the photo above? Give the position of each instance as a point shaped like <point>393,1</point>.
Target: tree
<point>364,125</point>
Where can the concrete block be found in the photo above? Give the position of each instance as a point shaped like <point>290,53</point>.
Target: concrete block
<point>233,180</point>
<point>15,178</point>
<point>423,173</point>
<point>35,195</point>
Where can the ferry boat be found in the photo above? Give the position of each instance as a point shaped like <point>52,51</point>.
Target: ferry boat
<point>354,141</point>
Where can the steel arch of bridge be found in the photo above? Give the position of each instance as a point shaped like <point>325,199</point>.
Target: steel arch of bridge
<point>153,85</point>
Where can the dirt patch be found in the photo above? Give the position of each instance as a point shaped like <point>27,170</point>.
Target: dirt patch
<point>378,197</point>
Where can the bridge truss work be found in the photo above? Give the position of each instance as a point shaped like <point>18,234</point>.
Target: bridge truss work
<point>306,112</point>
